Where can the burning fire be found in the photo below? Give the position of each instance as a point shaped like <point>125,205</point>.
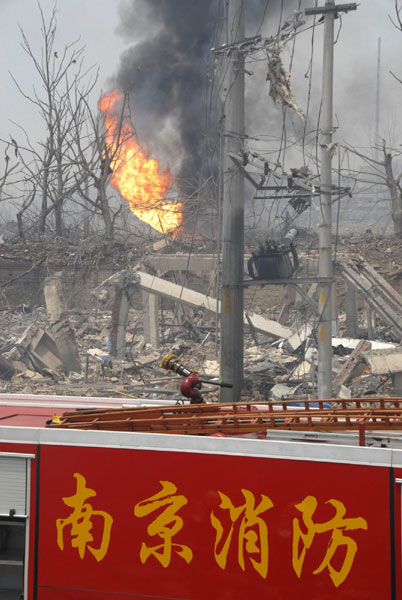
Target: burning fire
<point>135,175</point>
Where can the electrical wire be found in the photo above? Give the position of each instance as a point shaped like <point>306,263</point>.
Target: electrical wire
<point>263,18</point>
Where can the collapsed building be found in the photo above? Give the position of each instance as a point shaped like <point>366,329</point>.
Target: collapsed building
<point>155,304</point>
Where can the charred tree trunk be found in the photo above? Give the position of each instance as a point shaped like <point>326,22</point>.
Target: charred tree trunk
<point>106,214</point>
<point>396,198</point>
<point>20,226</point>
<point>103,199</point>
<point>58,219</point>
<point>44,205</point>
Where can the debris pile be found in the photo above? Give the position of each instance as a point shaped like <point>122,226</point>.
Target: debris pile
<point>113,341</point>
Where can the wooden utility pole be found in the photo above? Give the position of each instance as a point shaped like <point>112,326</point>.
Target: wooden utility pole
<point>325,269</point>
<point>231,351</point>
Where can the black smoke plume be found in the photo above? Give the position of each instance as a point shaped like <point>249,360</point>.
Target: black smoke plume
<point>165,73</point>
<point>165,70</point>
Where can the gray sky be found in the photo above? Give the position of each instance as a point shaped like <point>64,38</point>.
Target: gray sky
<point>93,21</point>
<point>356,63</point>
<point>355,67</point>
<point>96,23</point>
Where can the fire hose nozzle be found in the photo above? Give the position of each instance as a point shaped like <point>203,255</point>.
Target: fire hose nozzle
<point>217,383</point>
<point>171,362</point>
<point>192,383</point>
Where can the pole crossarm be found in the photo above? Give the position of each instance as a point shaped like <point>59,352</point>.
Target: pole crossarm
<point>293,184</point>
<point>337,8</point>
<point>257,42</point>
<point>296,281</point>
<point>243,45</point>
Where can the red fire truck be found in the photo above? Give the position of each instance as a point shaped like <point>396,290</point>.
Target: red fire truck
<point>103,515</point>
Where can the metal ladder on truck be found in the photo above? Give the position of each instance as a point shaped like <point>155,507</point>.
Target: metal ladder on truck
<point>242,418</point>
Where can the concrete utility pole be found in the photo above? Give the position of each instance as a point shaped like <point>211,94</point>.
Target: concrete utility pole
<point>325,230</point>
<point>231,351</point>
<point>325,269</point>
<point>377,102</point>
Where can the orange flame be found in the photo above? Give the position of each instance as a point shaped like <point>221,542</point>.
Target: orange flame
<point>135,175</point>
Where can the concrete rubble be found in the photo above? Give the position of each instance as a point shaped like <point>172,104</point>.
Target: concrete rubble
<point>113,341</point>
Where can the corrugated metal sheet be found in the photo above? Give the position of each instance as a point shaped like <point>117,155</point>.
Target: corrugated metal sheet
<point>13,485</point>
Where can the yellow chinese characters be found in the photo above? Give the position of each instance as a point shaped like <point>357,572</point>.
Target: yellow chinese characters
<point>338,524</point>
<point>81,523</point>
<point>252,532</point>
<point>166,525</point>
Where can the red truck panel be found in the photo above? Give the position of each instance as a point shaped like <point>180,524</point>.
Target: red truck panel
<point>397,489</point>
<point>181,525</point>
<point>28,449</point>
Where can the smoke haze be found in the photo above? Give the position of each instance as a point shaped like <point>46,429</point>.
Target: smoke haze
<point>167,69</point>
<point>165,73</point>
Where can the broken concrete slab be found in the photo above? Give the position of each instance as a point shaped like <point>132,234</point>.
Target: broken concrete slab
<point>260,367</point>
<point>170,290</point>
<point>252,350</point>
<point>28,374</point>
<point>195,299</point>
<point>303,370</point>
<point>120,309</point>
<point>150,303</point>
<point>99,354</point>
<point>384,362</point>
<point>351,343</point>
<point>397,383</point>
<point>351,308</point>
<point>297,338</point>
<point>277,356</point>
<point>210,368</point>
<point>123,284</point>
<point>163,243</point>
<point>195,263</point>
<point>147,359</point>
<point>62,331</point>
<point>38,349</point>
<point>7,368</point>
<point>344,393</point>
<point>269,327</point>
<point>352,367</point>
<point>279,391</point>
<point>376,292</point>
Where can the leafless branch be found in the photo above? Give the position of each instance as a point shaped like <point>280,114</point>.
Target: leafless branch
<point>395,77</point>
<point>398,22</point>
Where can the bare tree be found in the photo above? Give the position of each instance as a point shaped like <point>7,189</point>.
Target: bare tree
<point>82,148</point>
<point>50,164</point>
<point>97,153</point>
<point>397,23</point>
<point>8,169</point>
<point>382,172</point>
<point>27,199</point>
<point>384,169</point>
